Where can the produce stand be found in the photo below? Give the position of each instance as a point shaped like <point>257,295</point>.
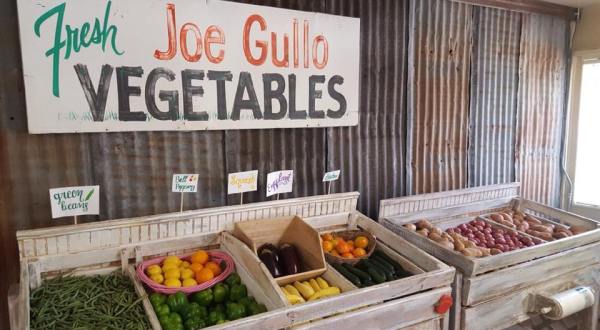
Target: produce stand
<point>103,247</point>
<point>497,291</point>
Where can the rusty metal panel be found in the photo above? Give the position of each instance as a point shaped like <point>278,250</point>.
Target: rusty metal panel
<point>542,79</point>
<point>135,170</point>
<point>301,150</point>
<point>371,156</point>
<point>494,86</point>
<point>438,95</point>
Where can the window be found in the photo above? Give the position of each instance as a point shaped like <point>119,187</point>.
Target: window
<point>587,164</point>
<point>583,151</point>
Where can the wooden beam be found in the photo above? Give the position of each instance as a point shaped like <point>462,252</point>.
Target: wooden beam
<point>528,6</point>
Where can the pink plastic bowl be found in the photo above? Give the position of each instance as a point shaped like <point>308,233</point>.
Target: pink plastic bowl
<point>214,255</point>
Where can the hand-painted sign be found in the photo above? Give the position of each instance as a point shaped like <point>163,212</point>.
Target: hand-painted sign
<point>137,65</point>
<point>242,182</point>
<point>280,182</point>
<point>185,183</point>
<point>73,201</point>
<point>331,176</point>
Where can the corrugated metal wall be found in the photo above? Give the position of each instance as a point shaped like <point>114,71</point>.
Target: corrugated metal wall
<point>447,70</point>
<point>438,104</point>
<point>371,156</point>
<point>494,86</point>
<point>542,76</point>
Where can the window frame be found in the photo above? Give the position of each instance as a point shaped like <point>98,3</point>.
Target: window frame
<point>579,58</point>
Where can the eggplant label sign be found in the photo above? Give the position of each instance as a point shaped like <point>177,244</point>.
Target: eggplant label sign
<point>280,182</point>
<point>74,201</point>
<point>138,65</point>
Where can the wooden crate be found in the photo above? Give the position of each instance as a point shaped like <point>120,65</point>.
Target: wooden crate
<point>496,291</point>
<point>290,230</point>
<point>120,244</point>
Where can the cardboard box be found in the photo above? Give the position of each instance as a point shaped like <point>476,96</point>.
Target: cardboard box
<point>292,230</point>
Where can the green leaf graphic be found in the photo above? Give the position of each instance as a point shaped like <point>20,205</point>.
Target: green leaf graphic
<point>89,195</point>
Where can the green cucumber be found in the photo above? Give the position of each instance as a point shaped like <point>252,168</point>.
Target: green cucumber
<point>349,276</point>
<point>369,267</point>
<point>389,275</point>
<point>364,277</point>
<point>400,272</point>
<point>383,263</point>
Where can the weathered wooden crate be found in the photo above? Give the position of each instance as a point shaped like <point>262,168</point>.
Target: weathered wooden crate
<point>119,244</point>
<point>497,291</point>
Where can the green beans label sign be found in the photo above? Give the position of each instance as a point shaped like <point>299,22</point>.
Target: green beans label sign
<point>137,65</point>
<point>74,201</point>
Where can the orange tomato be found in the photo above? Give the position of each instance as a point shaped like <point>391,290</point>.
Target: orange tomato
<point>327,237</point>
<point>351,245</point>
<point>347,255</point>
<point>342,248</point>
<point>327,246</point>
<point>339,241</point>
<point>200,257</point>
<point>361,242</point>
<point>334,253</point>
<point>359,252</point>
<point>204,275</point>
<point>196,267</point>
<point>214,267</point>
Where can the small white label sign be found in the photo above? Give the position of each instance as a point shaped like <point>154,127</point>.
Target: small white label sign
<point>241,182</point>
<point>280,182</point>
<point>72,201</point>
<point>185,183</point>
<point>331,176</point>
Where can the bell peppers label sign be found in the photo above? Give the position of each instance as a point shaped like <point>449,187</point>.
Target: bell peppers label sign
<point>185,183</point>
<point>138,65</point>
<point>72,201</point>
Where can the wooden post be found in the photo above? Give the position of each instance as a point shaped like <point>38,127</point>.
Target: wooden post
<point>328,187</point>
<point>241,198</point>
<point>277,196</point>
<point>75,219</point>
<point>181,203</point>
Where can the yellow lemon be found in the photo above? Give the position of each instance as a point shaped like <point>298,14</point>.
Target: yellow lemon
<point>153,270</point>
<point>158,278</point>
<point>173,259</point>
<point>184,264</point>
<point>189,282</point>
<point>187,273</point>
<point>169,266</point>
<point>172,273</point>
<point>173,283</point>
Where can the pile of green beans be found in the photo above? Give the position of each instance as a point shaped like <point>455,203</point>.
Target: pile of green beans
<point>87,302</point>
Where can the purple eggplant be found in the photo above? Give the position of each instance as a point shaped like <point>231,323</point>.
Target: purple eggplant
<point>289,259</point>
<point>272,248</point>
<point>268,258</point>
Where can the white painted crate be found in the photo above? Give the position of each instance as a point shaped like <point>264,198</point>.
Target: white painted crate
<point>108,245</point>
<point>495,292</point>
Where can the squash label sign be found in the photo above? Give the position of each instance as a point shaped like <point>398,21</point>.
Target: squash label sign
<point>138,65</point>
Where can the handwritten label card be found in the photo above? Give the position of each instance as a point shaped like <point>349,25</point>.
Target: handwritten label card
<point>241,182</point>
<point>279,182</point>
<point>185,183</point>
<point>73,201</point>
<point>331,176</point>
